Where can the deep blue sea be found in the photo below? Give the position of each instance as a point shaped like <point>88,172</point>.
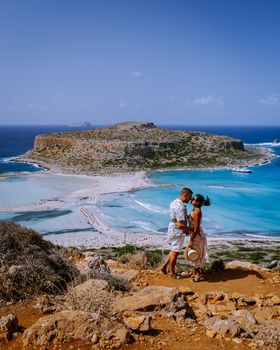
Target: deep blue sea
<point>242,204</point>
<point>16,140</point>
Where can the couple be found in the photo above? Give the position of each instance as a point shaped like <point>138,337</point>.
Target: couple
<point>178,229</point>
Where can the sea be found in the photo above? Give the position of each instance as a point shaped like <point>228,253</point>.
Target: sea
<point>242,204</point>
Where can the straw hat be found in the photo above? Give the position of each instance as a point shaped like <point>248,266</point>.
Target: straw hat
<point>192,254</point>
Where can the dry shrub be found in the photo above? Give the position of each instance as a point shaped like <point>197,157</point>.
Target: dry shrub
<point>142,260</point>
<point>30,265</point>
<point>95,296</point>
<point>99,270</point>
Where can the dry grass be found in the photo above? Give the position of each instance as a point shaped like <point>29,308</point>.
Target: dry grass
<point>30,265</point>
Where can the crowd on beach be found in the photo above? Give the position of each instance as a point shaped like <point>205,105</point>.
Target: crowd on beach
<point>181,225</point>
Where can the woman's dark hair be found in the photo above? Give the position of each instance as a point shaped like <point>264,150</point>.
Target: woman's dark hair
<point>201,200</point>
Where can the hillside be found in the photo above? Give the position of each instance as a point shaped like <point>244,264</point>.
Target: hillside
<point>64,298</point>
<point>131,146</point>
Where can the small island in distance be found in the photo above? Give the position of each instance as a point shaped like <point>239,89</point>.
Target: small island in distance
<point>80,124</point>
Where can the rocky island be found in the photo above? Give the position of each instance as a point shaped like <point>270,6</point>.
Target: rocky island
<point>134,146</point>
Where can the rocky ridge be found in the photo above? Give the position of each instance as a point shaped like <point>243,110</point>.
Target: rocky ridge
<point>132,146</point>
<point>153,311</point>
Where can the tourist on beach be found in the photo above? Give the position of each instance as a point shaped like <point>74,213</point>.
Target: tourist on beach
<point>196,251</point>
<point>177,230</point>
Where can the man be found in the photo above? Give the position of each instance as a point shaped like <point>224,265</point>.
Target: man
<point>177,230</point>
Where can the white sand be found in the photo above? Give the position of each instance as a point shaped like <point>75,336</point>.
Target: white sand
<point>75,192</point>
<point>46,191</point>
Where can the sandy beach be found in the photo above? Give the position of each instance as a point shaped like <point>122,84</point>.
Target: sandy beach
<point>81,193</point>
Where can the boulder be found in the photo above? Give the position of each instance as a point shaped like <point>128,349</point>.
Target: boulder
<point>275,299</point>
<point>217,303</point>
<point>137,321</point>
<point>246,266</point>
<point>8,326</point>
<point>186,290</point>
<point>151,298</point>
<point>91,296</point>
<point>214,297</point>
<point>98,266</point>
<point>225,328</point>
<point>263,314</point>
<point>244,317</point>
<point>216,309</point>
<point>63,326</point>
<point>73,325</point>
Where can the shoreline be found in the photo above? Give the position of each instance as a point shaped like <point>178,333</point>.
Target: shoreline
<point>103,185</point>
<point>268,154</point>
<point>96,240</point>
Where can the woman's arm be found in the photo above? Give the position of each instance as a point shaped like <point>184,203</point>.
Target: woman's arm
<point>196,227</point>
<point>186,229</point>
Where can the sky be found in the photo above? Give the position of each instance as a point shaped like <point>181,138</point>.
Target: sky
<point>191,62</point>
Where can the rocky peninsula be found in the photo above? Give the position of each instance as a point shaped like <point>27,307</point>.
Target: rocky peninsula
<point>135,146</point>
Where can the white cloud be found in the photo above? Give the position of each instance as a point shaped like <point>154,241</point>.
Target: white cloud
<point>272,99</point>
<point>208,100</point>
<point>122,105</point>
<point>136,73</point>
<point>34,106</point>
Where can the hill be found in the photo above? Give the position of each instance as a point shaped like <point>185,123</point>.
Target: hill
<point>133,146</point>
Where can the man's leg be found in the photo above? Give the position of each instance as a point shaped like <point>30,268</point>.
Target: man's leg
<point>172,262</point>
<point>165,268</point>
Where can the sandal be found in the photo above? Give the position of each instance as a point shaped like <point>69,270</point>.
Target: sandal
<point>175,275</point>
<point>197,278</point>
<point>163,271</point>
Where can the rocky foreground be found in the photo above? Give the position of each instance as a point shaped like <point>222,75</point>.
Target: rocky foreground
<point>134,146</point>
<point>126,303</point>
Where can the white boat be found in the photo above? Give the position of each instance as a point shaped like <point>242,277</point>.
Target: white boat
<point>241,170</point>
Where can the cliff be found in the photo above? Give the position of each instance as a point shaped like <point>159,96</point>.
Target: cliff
<point>133,146</point>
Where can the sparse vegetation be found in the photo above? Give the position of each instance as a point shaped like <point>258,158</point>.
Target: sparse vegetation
<point>133,146</point>
<point>30,265</point>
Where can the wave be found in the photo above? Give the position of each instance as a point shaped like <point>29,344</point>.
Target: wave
<point>150,207</point>
<point>150,230</point>
<point>260,236</point>
<point>266,144</point>
<point>216,186</point>
<point>6,159</point>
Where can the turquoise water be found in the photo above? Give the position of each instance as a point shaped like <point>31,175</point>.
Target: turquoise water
<point>242,204</point>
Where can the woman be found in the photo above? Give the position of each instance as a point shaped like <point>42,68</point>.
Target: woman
<point>198,240</point>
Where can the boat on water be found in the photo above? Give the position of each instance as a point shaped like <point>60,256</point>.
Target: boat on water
<point>241,170</point>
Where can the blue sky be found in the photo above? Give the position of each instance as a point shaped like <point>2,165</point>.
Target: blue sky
<point>171,62</point>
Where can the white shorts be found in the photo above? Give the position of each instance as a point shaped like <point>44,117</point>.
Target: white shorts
<point>177,243</point>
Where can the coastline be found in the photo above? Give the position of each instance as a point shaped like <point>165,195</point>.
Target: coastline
<point>98,234</point>
<point>268,156</point>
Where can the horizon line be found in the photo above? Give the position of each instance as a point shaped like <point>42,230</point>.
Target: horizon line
<point>156,124</point>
